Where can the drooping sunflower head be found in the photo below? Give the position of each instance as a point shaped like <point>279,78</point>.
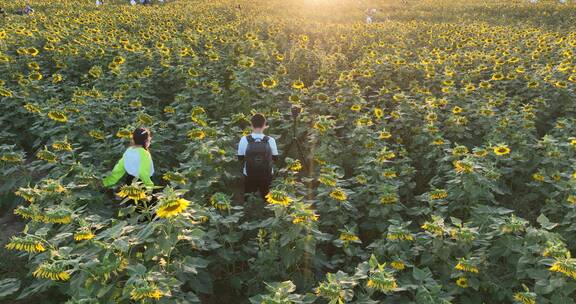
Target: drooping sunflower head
<point>27,243</point>
<point>146,291</point>
<point>278,197</point>
<point>382,280</point>
<point>52,271</point>
<point>83,234</point>
<point>339,194</point>
<point>220,201</point>
<point>135,192</point>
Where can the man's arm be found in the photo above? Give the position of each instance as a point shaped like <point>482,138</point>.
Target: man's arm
<point>274,149</point>
<point>242,145</point>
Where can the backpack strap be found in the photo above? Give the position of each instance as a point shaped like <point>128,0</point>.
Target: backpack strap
<point>250,139</point>
<point>265,139</point>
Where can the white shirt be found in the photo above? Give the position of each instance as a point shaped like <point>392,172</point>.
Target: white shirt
<point>243,144</point>
<point>132,162</point>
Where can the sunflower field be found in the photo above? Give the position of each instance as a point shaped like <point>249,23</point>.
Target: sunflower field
<point>437,164</point>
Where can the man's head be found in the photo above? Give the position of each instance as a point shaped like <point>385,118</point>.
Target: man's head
<point>258,122</point>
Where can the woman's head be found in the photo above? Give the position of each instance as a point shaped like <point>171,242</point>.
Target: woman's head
<point>142,137</point>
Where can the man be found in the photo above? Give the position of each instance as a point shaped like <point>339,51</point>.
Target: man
<point>257,152</point>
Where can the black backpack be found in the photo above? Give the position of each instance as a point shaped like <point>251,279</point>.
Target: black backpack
<point>258,158</point>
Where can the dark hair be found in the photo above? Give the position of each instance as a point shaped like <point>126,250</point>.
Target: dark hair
<point>258,120</point>
<point>141,136</point>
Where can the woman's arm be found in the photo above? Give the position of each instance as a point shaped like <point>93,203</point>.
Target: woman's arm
<point>145,170</point>
<point>117,173</point>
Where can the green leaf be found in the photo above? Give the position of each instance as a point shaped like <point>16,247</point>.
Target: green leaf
<point>545,222</point>
<point>421,274</point>
<point>373,262</point>
<point>8,287</point>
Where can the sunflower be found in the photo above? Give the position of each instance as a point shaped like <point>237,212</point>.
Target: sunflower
<point>338,194</point>
<point>348,237</point>
<point>196,134</point>
<point>378,113</point>
<point>124,133</point>
<point>565,266</point>
<point>298,84</point>
<point>525,298</point>
<point>172,207</point>
<point>33,52</point>
<point>501,150</point>
<point>96,134</point>
<point>83,234</point>
<point>11,157</point>
<point>457,110</point>
<point>296,166</point>
<point>498,76</point>
<point>382,280</point>
<point>5,92</point>
<point>269,83</point>
<point>462,282</point>
<point>399,236</point>
<point>175,177</point>
<point>58,116</point>
<point>56,78</point>
<point>438,142</point>
<point>62,145</point>
<point>46,155</point>
<point>220,201</point>
<point>148,291</point>
<point>277,197</point>
<point>465,266</point>
<point>57,216</point>
<point>398,265</point>
<point>51,271</point>
<point>388,199</point>
<point>438,194</point>
<point>133,192</point>
<point>28,244</point>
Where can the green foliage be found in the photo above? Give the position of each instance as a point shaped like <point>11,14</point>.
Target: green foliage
<point>438,144</point>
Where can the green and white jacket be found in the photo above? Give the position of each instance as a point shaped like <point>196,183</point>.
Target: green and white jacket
<point>137,162</point>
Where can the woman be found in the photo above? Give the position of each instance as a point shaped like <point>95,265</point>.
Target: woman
<point>136,161</point>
